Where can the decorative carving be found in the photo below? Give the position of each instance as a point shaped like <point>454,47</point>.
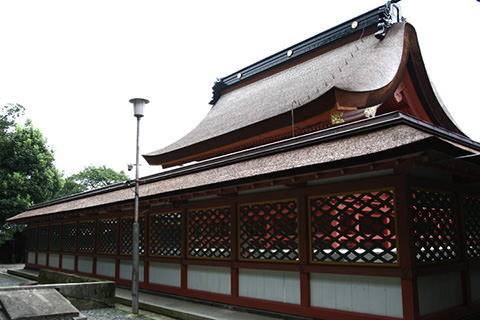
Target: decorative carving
<point>387,15</point>
<point>217,88</point>
<point>370,111</point>
<point>269,231</point>
<point>354,227</point>
<point>209,233</point>
<point>336,118</point>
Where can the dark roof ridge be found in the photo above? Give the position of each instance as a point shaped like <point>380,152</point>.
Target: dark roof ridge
<point>381,16</point>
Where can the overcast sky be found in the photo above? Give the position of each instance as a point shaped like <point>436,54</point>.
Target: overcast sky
<point>74,65</point>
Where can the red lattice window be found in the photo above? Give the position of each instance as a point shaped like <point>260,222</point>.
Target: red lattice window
<point>269,230</point>
<point>166,234</point>
<point>126,235</point>
<point>43,238</point>
<point>472,225</point>
<point>354,228</point>
<point>69,237</point>
<point>107,236</point>
<point>55,237</point>
<point>86,236</point>
<point>434,226</point>
<point>32,238</point>
<point>209,232</point>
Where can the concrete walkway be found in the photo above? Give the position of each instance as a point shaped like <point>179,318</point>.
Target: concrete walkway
<point>183,309</point>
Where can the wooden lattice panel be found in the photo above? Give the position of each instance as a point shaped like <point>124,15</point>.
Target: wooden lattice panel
<point>69,237</point>
<point>472,225</point>
<point>126,235</point>
<point>107,236</point>
<point>166,234</point>
<point>269,230</point>
<point>354,227</point>
<point>434,226</point>
<point>55,233</point>
<point>209,233</point>
<point>32,238</point>
<point>43,238</point>
<point>86,236</point>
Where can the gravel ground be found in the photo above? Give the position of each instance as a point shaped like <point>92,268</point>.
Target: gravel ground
<point>121,312</point>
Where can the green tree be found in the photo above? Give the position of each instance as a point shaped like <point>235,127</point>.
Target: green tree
<point>27,172</point>
<point>91,178</point>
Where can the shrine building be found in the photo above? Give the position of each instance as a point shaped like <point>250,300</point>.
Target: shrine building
<point>328,181</point>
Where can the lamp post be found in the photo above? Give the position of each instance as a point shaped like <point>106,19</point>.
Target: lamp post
<point>138,105</point>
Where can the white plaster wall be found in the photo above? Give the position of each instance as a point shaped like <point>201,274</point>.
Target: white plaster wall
<point>42,259</point>
<point>167,274</point>
<point>106,267</point>
<point>54,260</point>
<point>365,294</point>
<point>439,292</point>
<point>126,270</point>
<point>68,262</point>
<point>281,286</point>
<point>211,279</point>
<point>475,283</point>
<point>31,257</point>
<point>85,264</point>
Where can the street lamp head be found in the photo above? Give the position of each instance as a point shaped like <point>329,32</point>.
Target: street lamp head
<point>138,105</point>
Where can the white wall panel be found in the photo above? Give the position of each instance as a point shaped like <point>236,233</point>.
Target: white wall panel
<point>439,292</point>
<point>42,259</point>
<point>475,283</point>
<point>212,279</point>
<point>31,257</point>
<point>167,274</point>
<point>365,294</point>
<point>85,264</point>
<point>68,262</point>
<point>106,267</point>
<point>126,270</point>
<point>281,286</point>
<point>54,260</point>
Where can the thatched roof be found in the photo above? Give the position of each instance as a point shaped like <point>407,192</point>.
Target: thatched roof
<point>356,72</point>
<point>373,137</point>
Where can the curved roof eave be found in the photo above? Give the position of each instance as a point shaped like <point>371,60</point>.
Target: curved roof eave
<point>361,72</point>
<point>292,88</point>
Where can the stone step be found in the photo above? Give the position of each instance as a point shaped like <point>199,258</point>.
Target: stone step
<point>37,304</point>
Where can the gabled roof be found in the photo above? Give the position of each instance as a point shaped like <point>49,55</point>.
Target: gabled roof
<point>326,85</point>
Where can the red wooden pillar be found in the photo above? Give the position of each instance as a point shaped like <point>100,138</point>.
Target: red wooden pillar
<point>183,270</point>
<point>406,252</point>
<point>304,247</point>
<point>234,240</point>
<point>95,245</point>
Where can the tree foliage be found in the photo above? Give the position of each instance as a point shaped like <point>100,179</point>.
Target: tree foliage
<point>27,172</point>
<point>91,178</point>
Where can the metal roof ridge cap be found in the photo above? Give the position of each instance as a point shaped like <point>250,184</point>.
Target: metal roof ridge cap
<point>324,38</point>
<point>444,133</point>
